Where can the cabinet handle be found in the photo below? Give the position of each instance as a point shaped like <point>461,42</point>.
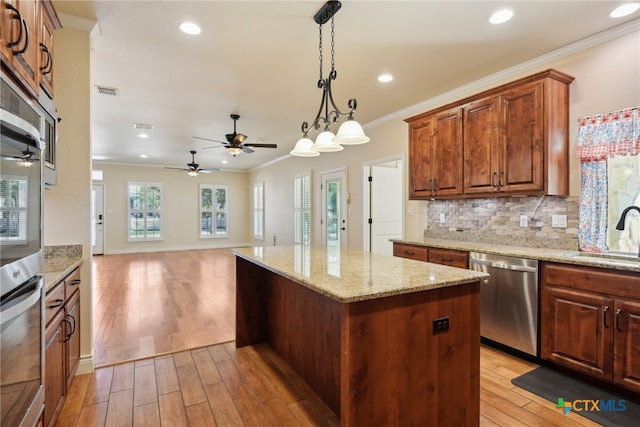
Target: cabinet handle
<point>429,185</point>
<point>46,68</point>
<point>75,282</point>
<point>73,329</point>
<point>409,253</point>
<point>493,179</point>
<point>18,18</point>
<point>26,39</point>
<point>58,303</point>
<point>501,180</point>
<point>435,185</point>
<point>604,315</point>
<point>618,312</point>
<point>443,259</point>
<point>68,337</point>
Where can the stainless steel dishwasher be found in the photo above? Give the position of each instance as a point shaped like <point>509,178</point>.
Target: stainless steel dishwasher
<point>508,300</point>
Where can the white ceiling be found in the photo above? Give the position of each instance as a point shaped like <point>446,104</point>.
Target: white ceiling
<point>259,59</point>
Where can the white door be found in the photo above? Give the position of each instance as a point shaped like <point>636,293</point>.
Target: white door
<point>385,206</point>
<point>97,219</point>
<point>334,208</point>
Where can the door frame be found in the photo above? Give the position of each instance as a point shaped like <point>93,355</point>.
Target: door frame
<point>99,252</point>
<point>366,195</point>
<point>344,201</point>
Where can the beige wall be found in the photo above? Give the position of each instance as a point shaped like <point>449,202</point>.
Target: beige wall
<point>606,79</point>
<point>67,206</point>
<point>179,208</point>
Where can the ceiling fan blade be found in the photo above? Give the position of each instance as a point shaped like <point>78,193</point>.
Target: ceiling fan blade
<point>208,170</point>
<point>261,145</point>
<point>246,149</point>
<point>207,139</point>
<point>9,157</point>
<point>180,169</point>
<point>216,146</point>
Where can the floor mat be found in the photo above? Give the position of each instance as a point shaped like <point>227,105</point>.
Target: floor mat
<point>581,397</point>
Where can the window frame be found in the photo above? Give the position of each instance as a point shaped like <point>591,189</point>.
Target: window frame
<point>145,212</point>
<point>258,218</point>
<point>302,206</point>
<point>213,211</point>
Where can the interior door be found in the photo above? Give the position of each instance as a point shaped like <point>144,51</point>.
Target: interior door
<point>385,189</point>
<point>334,208</point>
<point>97,219</point>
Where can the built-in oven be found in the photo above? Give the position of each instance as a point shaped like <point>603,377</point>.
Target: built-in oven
<point>21,257</point>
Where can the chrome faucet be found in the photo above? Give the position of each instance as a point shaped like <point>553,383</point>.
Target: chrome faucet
<point>620,225</point>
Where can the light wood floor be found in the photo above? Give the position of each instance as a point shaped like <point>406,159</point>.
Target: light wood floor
<point>157,303</point>
<point>215,384</point>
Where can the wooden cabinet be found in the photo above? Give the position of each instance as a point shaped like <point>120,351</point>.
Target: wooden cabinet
<point>450,257</point>
<point>435,155</point>
<point>62,343</point>
<point>510,140</point>
<point>590,322</point>
<point>26,36</point>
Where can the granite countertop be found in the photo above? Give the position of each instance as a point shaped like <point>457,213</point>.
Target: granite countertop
<point>59,261</point>
<point>350,275</point>
<point>541,254</point>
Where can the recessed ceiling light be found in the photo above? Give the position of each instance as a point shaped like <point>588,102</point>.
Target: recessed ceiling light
<point>143,156</point>
<point>190,28</point>
<point>624,10</point>
<point>224,162</point>
<point>143,135</point>
<point>501,16</point>
<point>385,78</point>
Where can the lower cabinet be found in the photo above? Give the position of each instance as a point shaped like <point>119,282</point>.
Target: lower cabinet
<point>450,257</point>
<point>62,343</point>
<point>590,322</point>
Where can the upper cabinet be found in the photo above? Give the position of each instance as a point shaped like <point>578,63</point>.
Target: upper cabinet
<point>511,140</point>
<point>26,38</point>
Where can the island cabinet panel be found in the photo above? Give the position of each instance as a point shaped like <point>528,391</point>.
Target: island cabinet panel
<point>590,322</point>
<point>374,362</point>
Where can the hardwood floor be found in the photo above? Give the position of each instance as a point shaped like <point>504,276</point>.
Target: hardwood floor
<point>153,312</point>
<point>156,303</point>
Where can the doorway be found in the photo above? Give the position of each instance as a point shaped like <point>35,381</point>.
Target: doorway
<point>334,208</point>
<point>384,204</point>
<point>97,219</point>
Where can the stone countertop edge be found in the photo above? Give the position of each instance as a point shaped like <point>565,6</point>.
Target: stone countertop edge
<point>350,289</point>
<point>57,268</point>
<point>540,254</point>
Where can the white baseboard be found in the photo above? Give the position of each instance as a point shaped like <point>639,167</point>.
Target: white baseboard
<point>85,366</point>
<point>141,249</point>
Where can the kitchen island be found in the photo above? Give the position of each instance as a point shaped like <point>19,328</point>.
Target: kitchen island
<point>382,340</point>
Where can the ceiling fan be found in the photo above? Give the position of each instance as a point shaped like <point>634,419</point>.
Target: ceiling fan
<point>25,160</point>
<point>235,141</point>
<point>193,169</point>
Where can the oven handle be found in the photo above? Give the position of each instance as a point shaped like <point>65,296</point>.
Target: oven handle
<point>33,298</point>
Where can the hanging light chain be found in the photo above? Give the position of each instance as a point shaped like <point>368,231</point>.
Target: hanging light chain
<point>320,50</point>
<point>333,61</point>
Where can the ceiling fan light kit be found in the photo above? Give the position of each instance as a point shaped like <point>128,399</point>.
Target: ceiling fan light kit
<point>193,168</point>
<point>350,132</point>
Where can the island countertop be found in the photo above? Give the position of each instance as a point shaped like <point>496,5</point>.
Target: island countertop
<point>348,275</point>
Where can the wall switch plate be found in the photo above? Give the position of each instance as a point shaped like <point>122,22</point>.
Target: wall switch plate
<point>411,211</point>
<point>524,221</point>
<point>442,218</point>
<point>559,221</point>
<point>440,325</point>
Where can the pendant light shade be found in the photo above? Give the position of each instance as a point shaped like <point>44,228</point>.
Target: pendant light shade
<point>304,148</point>
<point>350,133</point>
<point>325,143</point>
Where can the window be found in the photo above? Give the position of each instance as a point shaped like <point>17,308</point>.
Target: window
<point>214,211</point>
<point>302,209</point>
<point>14,194</point>
<point>258,211</point>
<point>145,211</point>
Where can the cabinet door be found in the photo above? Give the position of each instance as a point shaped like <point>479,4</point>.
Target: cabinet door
<point>5,30</point>
<point>72,337</point>
<point>577,331</point>
<point>420,158</point>
<point>25,55</point>
<point>626,355</point>
<point>54,377</point>
<point>481,146</point>
<point>446,167</point>
<point>522,142</point>
<point>46,51</point>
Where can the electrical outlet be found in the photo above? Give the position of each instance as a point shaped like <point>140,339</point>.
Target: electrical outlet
<point>442,218</point>
<point>440,325</point>
<point>559,221</point>
<point>523,221</point>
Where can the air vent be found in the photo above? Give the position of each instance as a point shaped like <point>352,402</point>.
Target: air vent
<point>104,90</point>
<point>142,126</point>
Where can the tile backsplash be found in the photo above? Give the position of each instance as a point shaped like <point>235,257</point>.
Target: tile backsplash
<point>497,220</point>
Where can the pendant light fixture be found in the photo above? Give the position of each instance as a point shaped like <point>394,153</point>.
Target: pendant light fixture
<point>350,132</point>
